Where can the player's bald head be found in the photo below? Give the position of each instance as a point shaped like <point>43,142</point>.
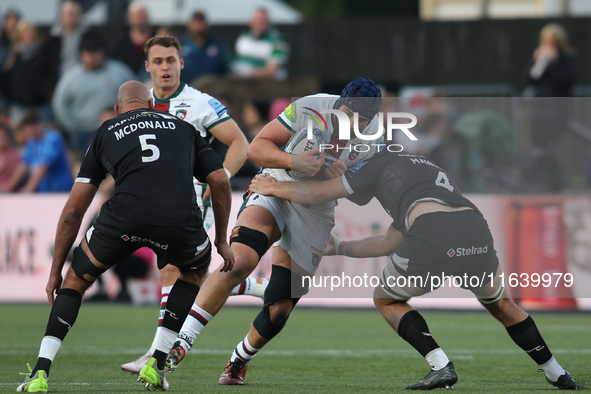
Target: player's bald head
<point>133,95</point>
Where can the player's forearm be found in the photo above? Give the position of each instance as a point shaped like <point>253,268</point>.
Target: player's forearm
<point>265,153</point>
<point>366,247</point>
<point>221,201</point>
<point>67,231</point>
<point>236,155</point>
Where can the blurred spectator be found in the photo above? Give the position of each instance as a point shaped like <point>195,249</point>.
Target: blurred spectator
<point>278,106</point>
<point>203,53</point>
<point>60,49</point>
<point>254,118</point>
<point>22,81</point>
<point>9,157</point>
<point>9,21</point>
<point>554,68</point>
<point>44,161</point>
<point>261,51</point>
<point>129,48</point>
<point>551,77</point>
<point>84,90</point>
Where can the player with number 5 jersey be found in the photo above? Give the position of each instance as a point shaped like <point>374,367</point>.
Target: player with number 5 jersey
<point>209,116</point>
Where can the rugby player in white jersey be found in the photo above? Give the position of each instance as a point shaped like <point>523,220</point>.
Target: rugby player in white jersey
<point>299,233</point>
<point>210,118</point>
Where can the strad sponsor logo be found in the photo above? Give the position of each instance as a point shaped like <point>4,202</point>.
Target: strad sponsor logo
<point>458,252</point>
<point>134,238</point>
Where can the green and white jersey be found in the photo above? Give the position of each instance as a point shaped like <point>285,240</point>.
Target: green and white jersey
<point>195,107</point>
<point>256,52</point>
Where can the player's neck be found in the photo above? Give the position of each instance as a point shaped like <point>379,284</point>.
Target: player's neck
<point>163,94</point>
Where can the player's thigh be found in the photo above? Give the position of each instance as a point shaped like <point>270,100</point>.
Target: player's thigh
<point>259,218</point>
<point>397,284</point>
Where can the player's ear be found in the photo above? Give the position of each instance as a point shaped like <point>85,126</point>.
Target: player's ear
<point>182,62</point>
<point>151,103</point>
<point>117,109</point>
<point>146,64</point>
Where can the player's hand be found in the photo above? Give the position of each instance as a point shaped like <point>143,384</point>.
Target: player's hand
<point>54,284</point>
<point>306,163</point>
<point>330,250</point>
<point>262,184</point>
<point>225,251</point>
<point>335,169</point>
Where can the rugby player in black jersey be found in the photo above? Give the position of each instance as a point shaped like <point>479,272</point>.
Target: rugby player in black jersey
<point>430,219</point>
<point>153,157</point>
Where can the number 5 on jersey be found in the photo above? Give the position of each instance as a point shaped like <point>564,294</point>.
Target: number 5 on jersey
<point>155,151</point>
<point>443,181</point>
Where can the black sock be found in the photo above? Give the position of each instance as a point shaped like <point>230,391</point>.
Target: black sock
<point>180,300</point>
<point>526,335</point>
<point>414,330</point>
<point>62,317</point>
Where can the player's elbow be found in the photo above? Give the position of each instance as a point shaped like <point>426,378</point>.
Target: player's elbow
<point>218,181</point>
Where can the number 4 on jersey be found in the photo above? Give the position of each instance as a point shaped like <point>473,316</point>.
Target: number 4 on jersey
<point>443,181</point>
<point>145,146</point>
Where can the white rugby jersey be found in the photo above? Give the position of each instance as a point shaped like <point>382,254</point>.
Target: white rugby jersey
<point>295,118</point>
<point>195,107</point>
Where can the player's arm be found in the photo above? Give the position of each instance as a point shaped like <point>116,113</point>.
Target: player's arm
<point>265,150</point>
<point>230,134</point>
<point>68,226</point>
<point>208,168</point>
<point>304,192</point>
<point>379,245</point>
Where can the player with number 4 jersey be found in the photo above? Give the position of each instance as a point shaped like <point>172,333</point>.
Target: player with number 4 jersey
<point>431,222</point>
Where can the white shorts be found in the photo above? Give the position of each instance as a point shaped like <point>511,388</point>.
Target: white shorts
<point>304,230</point>
<point>207,210</point>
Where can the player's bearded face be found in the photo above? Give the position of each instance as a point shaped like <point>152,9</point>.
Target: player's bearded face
<point>164,65</point>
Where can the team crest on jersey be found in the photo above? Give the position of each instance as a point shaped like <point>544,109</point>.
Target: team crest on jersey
<point>181,113</point>
<point>290,112</point>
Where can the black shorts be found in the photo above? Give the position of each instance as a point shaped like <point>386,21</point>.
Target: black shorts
<point>113,237</point>
<point>448,243</point>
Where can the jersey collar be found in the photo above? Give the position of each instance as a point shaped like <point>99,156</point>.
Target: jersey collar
<point>175,94</point>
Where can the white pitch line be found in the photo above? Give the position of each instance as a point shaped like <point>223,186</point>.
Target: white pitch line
<point>321,352</point>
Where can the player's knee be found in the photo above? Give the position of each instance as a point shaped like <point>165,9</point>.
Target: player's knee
<point>280,311</point>
<point>84,268</point>
<point>169,274</point>
<point>254,239</point>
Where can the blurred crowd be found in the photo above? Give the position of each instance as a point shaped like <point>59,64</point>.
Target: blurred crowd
<point>57,88</point>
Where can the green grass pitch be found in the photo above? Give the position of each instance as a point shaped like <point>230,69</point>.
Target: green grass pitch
<point>319,351</point>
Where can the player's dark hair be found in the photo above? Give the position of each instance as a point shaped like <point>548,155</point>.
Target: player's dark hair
<point>28,119</point>
<point>164,41</point>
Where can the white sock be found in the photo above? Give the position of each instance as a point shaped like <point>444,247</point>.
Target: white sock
<point>244,350</point>
<point>251,286</point>
<point>166,340</point>
<point>49,347</point>
<point>552,369</point>
<point>437,359</point>
<point>163,300</point>
<point>194,323</point>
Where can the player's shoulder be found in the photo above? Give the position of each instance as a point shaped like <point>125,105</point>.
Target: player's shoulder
<point>315,101</point>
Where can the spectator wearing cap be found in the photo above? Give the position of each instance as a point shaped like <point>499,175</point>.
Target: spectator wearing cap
<point>44,165</point>
<point>85,89</point>
<point>60,50</point>
<point>261,51</point>
<point>203,53</point>
<point>129,47</point>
